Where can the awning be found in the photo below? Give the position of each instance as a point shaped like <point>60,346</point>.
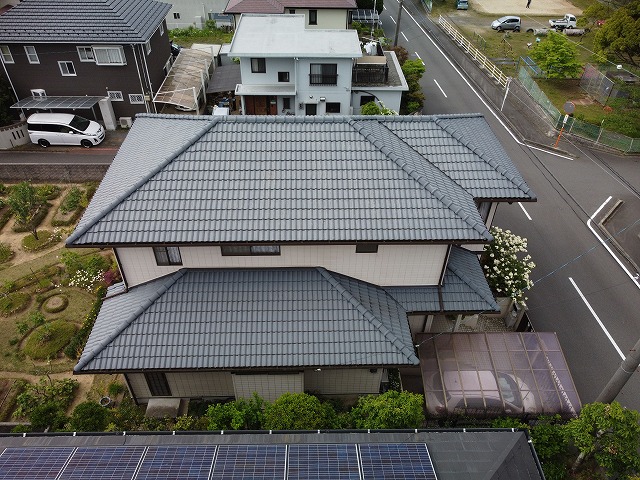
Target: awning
<point>225,79</point>
<point>285,90</point>
<point>186,79</point>
<point>51,103</point>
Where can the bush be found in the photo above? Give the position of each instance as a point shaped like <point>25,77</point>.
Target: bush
<point>36,220</point>
<point>89,417</point>
<point>48,192</point>
<point>237,415</point>
<point>47,340</point>
<point>71,200</point>
<point>126,417</point>
<point>47,415</point>
<point>115,388</point>
<point>390,410</point>
<point>14,303</point>
<point>298,411</point>
<point>5,252</point>
<point>46,390</point>
<point>45,239</point>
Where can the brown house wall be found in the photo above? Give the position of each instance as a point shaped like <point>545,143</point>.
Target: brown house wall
<point>91,79</point>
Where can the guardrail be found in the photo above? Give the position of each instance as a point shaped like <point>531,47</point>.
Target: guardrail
<point>473,52</point>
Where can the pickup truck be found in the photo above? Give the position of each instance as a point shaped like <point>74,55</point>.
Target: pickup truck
<point>568,21</point>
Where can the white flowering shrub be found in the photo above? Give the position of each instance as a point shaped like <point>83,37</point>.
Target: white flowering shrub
<point>507,266</point>
<point>85,279</point>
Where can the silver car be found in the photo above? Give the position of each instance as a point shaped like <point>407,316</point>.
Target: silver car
<point>509,22</point>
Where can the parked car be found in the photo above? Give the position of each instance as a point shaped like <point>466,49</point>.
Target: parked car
<point>462,4</point>
<point>509,22</point>
<point>568,21</point>
<point>63,129</point>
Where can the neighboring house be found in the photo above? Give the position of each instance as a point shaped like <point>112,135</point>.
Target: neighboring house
<point>99,48</point>
<point>288,69</point>
<point>333,14</point>
<point>462,454</point>
<point>288,254</point>
<point>186,13</point>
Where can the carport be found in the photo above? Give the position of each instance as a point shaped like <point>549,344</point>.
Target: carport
<point>58,103</point>
<point>187,80</point>
<point>496,374</point>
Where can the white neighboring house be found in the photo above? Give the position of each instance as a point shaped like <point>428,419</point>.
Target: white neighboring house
<point>288,253</point>
<point>287,69</point>
<point>185,13</point>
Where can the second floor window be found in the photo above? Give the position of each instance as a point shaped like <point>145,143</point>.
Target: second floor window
<point>108,55</point>
<point>167,256</point>
<point>32,55</point>
<point>283,76</point>
<point>67,69</point>
<point>6,54</point>
<point>86,54</point>
<point>233,250</point>
<point>323,74</point>
<point>258,65</point>
<point>313,17</point>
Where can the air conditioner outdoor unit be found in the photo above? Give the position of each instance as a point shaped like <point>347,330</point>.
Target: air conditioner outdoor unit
<point>126,122</point>
<point>38,92</point>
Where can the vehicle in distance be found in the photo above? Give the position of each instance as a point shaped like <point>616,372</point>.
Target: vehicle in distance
<point>63,129</point>
<point>462,4</point>
<point>568,21</point>
<point>509,22</point>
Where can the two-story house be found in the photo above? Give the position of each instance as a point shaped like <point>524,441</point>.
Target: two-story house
<point>321,14</point>
<point>96,48</point>
<point>287,68</point>
<point>276,254</point>
<point>186,13</point>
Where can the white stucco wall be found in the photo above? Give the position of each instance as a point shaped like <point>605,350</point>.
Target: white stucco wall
<point>268,386</point>
<point>193,12</point>
<point>209,385</point>
<point>347,381</point>
<point>392,265</point>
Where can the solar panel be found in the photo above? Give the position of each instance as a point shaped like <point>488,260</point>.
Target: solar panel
<point>391,461</point>
<point>103,463</point>
<point>32,463</point>
<point>183,462</point>
<point>249,462</point>
<point>330,462</point>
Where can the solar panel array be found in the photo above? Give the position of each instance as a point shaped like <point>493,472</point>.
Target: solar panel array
<point>381,461</point>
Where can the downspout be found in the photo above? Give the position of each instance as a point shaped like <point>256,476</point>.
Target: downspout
<point>135,57</point>
<point>10,82</point>
<point>146,69</point>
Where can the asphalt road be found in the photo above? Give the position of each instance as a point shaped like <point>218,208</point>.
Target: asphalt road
<point>580,291</point>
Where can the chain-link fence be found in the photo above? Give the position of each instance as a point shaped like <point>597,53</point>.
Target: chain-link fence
<point>596,84</point>
<point>595,133</point>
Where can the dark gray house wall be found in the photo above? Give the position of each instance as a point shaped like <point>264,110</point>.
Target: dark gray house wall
<point>143,74</point>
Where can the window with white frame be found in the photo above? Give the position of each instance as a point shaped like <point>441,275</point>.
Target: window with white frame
<point>6,54</point>
<point>115,96</point>
<point>32,55</point>
<point>67,69</point>
<point>136,98</point>
<point>147,46</point>
<point>109,55</point>
<point>86,54</point>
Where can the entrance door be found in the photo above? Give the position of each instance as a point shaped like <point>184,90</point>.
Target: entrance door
<point>310,109</point>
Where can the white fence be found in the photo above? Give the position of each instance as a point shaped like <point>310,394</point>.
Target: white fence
<point>473,52</point>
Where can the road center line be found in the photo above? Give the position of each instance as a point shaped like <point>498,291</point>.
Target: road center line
<point>445,95</point>
<point>419,57</point>
<point>604,329</point>
<point>525,212</point>
<point>394,22</point>
<point>405,37</point>
<point>634,278</point>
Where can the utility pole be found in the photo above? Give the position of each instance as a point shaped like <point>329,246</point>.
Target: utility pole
<point>621,377</point>
<point>395,37</point>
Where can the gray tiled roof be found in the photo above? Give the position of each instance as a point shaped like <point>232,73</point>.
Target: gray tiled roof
<point>232,319</point>
<point>296,179</point>
<point>464,289</point>
<point>82,21</point>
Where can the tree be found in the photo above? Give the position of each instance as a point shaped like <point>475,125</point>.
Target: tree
<point>298,411</point>
<point>557,56</point>
<point>25,202</point>
<point>237,415</point>
<point>620,34</point>
<point>412,100</point>
<point>48,415</point>
<point>609,433</point>
<point>372,108</point>
<point>392,409</point>
<point>89,417</point>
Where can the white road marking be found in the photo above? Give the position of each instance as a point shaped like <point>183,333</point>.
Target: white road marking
<point>405,37</point>
<point>445,95</point>
<point>550,152</point>
<point>525,212</point>
<point>634,278</point>
<point>604,329</point>
<point>392,20</point>
<point>419,57</point>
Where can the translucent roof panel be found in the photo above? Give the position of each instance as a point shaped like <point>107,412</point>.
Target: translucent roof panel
<point>186,80</point>
<point>496,374</point>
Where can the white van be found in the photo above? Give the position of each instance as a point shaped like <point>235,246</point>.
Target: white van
<point>63,129</point>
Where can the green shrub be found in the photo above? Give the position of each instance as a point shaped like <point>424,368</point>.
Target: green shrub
<point>48,192</point>
<point>71,200</point>
<point>237,415</point>
<point>13,303</point>
<point>46,390</point>
<point>126,417</point>
<point>5,252</point>
<point>298,411</point>
<point>89,417</point>
<point>77,343</point>
<point>390,410</point>
<point>14,341</point>
<point>45,240</point>
<point>36,319</point>
<point>115,388</point>
<point>36,220</point>
<point>47,415</point>
<point>47,340</point>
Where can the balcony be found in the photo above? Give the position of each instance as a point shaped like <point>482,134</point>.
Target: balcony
<point>320,79</point>
<point>370,70</point>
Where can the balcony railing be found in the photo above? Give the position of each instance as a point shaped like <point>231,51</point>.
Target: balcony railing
<point>370,74</point>
<point>320,79</point>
